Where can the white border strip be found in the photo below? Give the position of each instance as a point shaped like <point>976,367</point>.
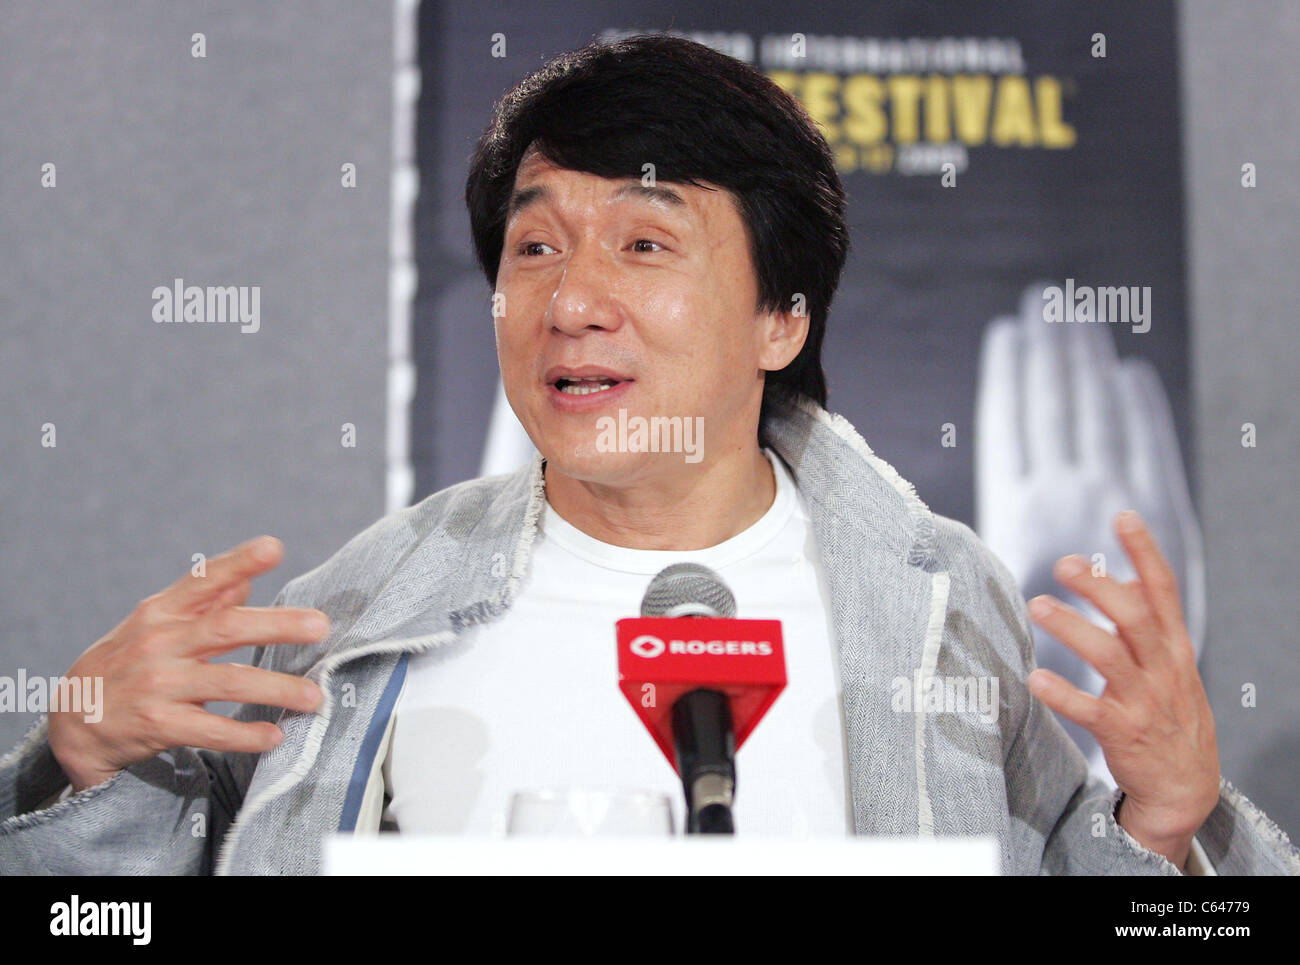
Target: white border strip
<point>404,188</point>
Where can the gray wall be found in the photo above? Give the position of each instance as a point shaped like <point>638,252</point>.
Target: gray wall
<point>1242,82</point>
<point>177,439</point>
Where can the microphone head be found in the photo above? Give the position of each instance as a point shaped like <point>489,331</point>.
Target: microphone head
<point>688,590</point>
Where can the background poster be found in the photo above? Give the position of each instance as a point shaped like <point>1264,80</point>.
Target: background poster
<point>1068,166</point>
<point>987,151</point>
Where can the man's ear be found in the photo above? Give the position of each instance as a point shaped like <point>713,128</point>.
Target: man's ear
<point>783,334</point>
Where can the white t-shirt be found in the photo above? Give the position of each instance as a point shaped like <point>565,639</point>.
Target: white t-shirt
<point>532,701</point>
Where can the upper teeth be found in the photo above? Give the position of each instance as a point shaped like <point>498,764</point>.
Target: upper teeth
<point>595,383</point>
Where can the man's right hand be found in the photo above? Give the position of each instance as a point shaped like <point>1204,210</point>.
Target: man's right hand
<point>156,673</point>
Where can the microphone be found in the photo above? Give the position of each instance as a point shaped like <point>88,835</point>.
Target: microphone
<point>700,680</point>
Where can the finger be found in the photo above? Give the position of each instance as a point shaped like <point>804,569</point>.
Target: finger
<point>1149,428</point>
<point>1033,301</point>
<point>1123,604</point>
<point>244,562</point>
<point>1157,580</point>
<point>195,727</point>
<point>1046,394</point>
<point>235,595</point>
<point>1149,434</point>
<point>1102,650</point>
<point>1096,410</point>
<point>999,449</point>
<point>1168,472</point>
<point>243,684</point>
<point>1070,702</point>
<point>240,626</point>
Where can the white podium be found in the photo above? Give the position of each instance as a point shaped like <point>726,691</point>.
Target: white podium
<point>400,854</point>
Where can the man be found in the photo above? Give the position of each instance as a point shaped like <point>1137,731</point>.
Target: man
<point>664,231</point>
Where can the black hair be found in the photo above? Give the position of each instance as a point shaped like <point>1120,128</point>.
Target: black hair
<point>699,116</point>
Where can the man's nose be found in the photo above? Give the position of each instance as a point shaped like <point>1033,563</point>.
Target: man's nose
<point>585,296</point>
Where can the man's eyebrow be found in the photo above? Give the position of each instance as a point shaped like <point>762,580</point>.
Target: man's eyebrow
<point>525,196</point>
<point>664,197</point>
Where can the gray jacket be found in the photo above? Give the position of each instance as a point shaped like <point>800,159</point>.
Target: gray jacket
<point>909,591</point>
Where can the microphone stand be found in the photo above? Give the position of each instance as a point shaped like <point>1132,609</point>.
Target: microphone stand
<point>705,743</point>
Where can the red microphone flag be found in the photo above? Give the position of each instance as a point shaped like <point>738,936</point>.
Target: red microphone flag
<point>662,658</point>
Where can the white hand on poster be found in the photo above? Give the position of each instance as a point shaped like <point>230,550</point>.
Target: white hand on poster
<point>1067,435</point>
<point>508,446</point>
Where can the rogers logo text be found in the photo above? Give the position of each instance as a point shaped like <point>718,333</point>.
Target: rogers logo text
<point>649,646</point>
<point>719,648</point>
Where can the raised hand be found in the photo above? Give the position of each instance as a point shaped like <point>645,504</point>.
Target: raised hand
<point>157,675</point>
<point>1152,720</point>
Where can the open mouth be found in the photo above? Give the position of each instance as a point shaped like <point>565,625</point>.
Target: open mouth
<point>587,385</point>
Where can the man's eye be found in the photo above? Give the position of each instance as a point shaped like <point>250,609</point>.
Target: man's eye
<point>646,241</point>
<point>524,248</point>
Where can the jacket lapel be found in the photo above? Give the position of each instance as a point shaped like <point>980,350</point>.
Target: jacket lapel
<point>466,569</point>
<point>875,538</point>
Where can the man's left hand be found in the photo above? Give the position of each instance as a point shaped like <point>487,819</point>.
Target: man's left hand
<point>1153,719</point>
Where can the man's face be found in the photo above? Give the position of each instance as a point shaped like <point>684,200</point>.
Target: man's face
<point>653,291</point>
